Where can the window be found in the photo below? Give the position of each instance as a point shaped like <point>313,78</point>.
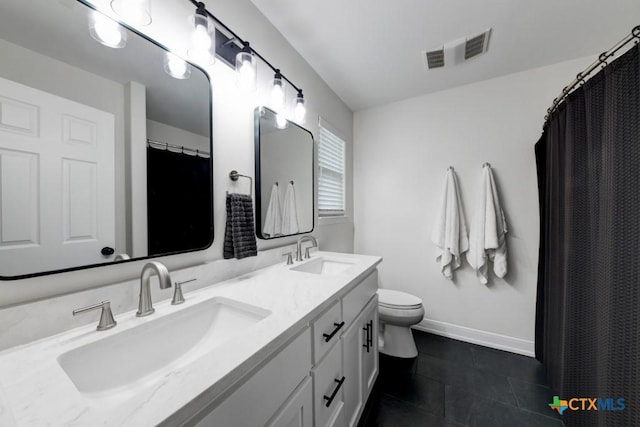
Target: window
<point>331,185</point>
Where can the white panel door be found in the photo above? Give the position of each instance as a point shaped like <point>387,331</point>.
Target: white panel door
<point>56,181</point>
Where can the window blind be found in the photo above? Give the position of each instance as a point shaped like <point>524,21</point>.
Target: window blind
<point>331,185</point>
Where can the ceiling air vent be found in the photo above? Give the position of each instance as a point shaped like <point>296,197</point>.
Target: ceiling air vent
<point>434,58</point>
<point>477,45</point>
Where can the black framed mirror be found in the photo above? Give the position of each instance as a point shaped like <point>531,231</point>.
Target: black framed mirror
<point>104,155</point>
<point>284,162</point>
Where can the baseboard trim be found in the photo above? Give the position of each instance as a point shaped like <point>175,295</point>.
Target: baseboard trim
<point>476,336</point>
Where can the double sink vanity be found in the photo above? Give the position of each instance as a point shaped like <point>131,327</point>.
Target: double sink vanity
<point>283,343</point>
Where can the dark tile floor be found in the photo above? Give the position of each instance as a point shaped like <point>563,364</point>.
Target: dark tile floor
<point>453,383</point>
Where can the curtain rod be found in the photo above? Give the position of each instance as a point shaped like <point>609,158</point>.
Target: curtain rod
<point>166,146</point>
<point>580,78</point>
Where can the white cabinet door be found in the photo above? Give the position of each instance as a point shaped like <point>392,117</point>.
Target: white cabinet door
<point>360,361</point>
<point>56,181</point>
<point>352,362</point>
<point>370,352</point>
<point>298,410</point>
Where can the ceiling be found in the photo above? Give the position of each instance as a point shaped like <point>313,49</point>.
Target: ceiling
<point>369,51</point>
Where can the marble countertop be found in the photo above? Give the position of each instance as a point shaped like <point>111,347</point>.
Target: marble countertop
<point>35,390</point>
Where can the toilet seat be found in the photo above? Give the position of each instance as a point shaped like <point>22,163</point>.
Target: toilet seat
<point>398,300</point>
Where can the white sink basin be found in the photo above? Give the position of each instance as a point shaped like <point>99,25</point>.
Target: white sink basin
<point>325,265</point>
<point>146,351</point>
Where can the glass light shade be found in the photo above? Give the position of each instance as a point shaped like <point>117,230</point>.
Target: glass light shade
<point>300,110</point>
<point>202,39</point>
<point>176,67</point>
<point>247,70</point>
<point>106,31</point>
<point>137,12</point>
<point>277,93</point>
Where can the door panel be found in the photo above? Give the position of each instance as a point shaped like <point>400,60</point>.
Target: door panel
<point>56,181</point>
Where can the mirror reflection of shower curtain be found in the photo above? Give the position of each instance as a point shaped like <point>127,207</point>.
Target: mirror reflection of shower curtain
<point>179,210</point>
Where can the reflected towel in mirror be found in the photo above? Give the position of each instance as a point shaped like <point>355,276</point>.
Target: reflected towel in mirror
<point>290,212</point>
<point>273,220</point>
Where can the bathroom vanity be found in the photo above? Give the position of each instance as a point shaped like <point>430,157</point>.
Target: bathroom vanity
<point>278,346</point>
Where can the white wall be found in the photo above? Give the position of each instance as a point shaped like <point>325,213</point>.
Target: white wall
<point>401,152</point>
<point>172,135</point>
<point>232,139</point>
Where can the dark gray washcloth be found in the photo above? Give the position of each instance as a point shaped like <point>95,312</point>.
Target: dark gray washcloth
<point>239,234</point>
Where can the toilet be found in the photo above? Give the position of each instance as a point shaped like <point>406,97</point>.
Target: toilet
<point>398,311</point>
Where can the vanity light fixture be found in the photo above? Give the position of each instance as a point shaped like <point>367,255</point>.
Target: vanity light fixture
<point>202,37</point>
<point>246,69</point>
<point>246,66</point>
<point>277,92</point>
<point>300,110</point>
<point>136,12</point>
<point>176,67</point>
<point>106,31</point>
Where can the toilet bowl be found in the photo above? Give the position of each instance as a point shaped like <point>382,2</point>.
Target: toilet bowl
<point>397,312</point>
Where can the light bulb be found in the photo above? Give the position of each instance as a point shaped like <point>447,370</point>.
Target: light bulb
<point>201,38</point>
<point>106,31</point>
<point>246,69</point>
<point>281,121</point>
<point>300,111</point>
<point>176,66</point>
<point>134,11</point>
<point>277,92</point>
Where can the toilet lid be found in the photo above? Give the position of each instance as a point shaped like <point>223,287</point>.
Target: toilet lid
<point>398,300</point>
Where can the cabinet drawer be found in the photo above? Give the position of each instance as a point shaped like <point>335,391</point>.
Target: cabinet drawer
<point>255,401</point>
<point>327,330</point>
<point>328,382</point>
<point>358,297</point>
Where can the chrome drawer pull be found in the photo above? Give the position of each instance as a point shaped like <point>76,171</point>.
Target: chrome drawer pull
<point>329,399</point>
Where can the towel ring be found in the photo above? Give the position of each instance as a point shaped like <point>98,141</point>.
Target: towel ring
<point>484,165</point>
<point>234,176</point>
<point>450,168</point>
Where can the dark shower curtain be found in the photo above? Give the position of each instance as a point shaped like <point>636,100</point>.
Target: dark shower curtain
<point>179,210</point>
<point>588,308</point>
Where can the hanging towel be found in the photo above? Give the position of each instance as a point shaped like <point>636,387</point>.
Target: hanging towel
<point>239,234</point>
<point>450,230</point>
<point>290,212</point>
<point>488,233</point>
<point>273,219</point>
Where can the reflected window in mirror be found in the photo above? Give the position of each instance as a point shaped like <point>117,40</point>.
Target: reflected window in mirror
<point>104,145</point>
<point>284,176</point>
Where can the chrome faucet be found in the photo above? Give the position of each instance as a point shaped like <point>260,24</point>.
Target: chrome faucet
<point>301,240</point>
<point>145,307</point>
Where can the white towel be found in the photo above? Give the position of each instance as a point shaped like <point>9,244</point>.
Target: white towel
<point>290,212</point>
<point>273,219</point>
<point>488,233</point>
<point>450,230</point>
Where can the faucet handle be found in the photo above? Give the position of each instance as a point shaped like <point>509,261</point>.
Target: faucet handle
<point>106,316</point>
<point>307,255</point>
<point>178,297</point>
<point>289,258</point>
